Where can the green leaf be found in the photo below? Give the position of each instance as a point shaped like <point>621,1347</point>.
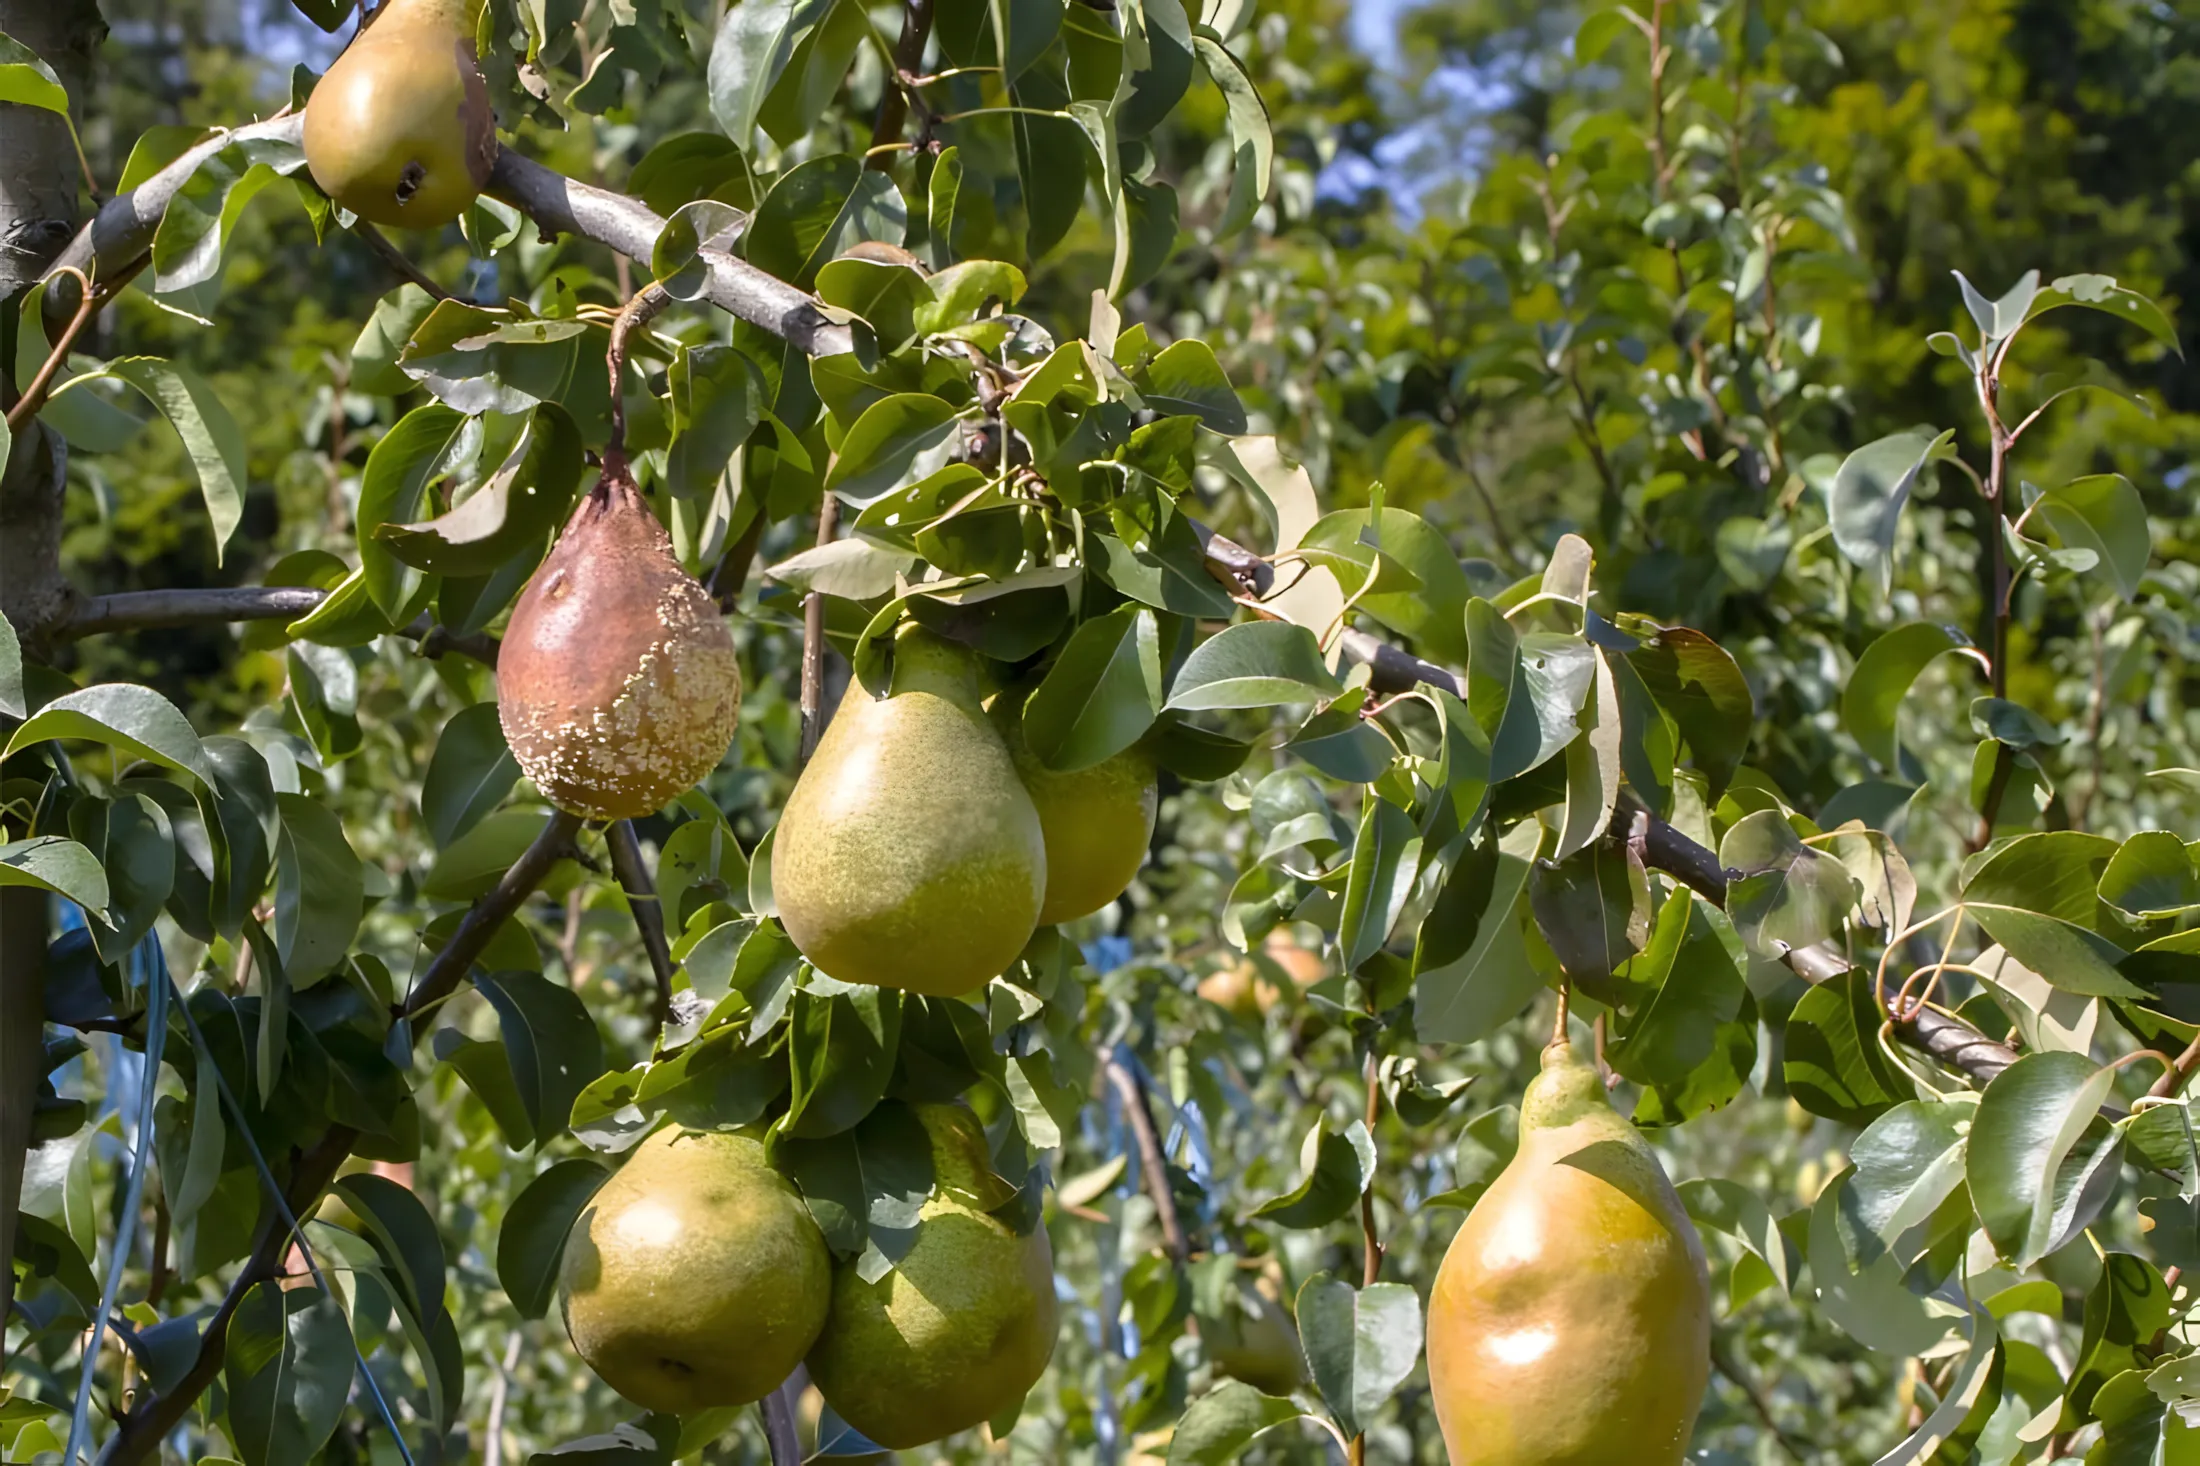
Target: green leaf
<point>1696,989</point>
<point>413,454</point>
<point>843,1047</point>
<point>469,774</point>
<point>1433,614</point>
<point>1883,676</point>
<point>28,81</point>
<point>211,438</point>
<point>382,341</point>
<point>476,360</point>
<point>1471,969</point>
<point>288,1370</point>
<point>1386,858</point>
<point>1598,32</point>
<point>12,703</point>
<point>1834,1066</point>
<point>404,1235</point>
<point>133,840</point>
<point>531,1241</point>
<point>882,451</point>
<point>865,1187</point>
<point>1908,1162</point>
<point>1051,165</point>
<point>555,1049</point>
<point>941,191</point>
<point>1252,143</point>
<point>2012,723</point>
<point>1335,1169</point>
<point>1361,1344</point>
<point>2041,1162</point>
<point>51,863</point>
<point>1732,1208</point>
<point>2102,513</point>
<point>1790,894</point>
<point>1866,496</point>
<point>1102,693</point>
<point>700,862</point>
<point>1221,1424</point>
<point>886,293</point>
<point>816,210</point>
<point>2151,877</point>
<point>1187,379</point>
<point>1594,912</point>
<point>2102,293</point>
<point>755,42</point>
<point>514,511</point>
<point>688,166</point>
<point>1251,665</point>
<point>203,214</point>
<point>320,889</point>
<point>133,720</point>
<point>1869,1303</point>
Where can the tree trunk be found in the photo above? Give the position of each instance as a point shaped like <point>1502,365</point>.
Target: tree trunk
<point>40,179</point>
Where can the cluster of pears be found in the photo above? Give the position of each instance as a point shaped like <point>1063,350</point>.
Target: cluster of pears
<point>400,130</point>
<point>616,683</point>
<point>1570,1324</point>
<point>925,842</point>
<point>696,1278</point>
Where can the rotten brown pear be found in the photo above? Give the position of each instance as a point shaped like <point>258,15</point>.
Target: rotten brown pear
<point>617,683</point>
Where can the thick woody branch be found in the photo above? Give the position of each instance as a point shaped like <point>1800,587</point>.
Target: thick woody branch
<point>145,610</point>
<point>147,1426</point>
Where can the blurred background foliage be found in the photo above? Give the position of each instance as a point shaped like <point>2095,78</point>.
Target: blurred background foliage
<point>1487,283</point>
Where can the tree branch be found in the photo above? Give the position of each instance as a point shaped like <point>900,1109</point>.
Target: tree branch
<point>150,1423</point>
<point>143,610</point>
<point>1152,1164</point>
<point>813,641</point>
<point>649,913</point>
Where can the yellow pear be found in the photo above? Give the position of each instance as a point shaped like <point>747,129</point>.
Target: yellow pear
<point>962,1327</point>
<point>909,855</point>
<point>400,130</point>
<point>1098,821</point>
<point>695,1278</point>
<point>1570,1324</point>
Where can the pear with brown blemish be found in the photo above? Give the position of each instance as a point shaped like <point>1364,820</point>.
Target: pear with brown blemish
<point>400,130</point>
<point>1570,1324</point>
<point>617,683</point>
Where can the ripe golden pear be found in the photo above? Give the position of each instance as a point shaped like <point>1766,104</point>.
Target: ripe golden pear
<point>695,1278</point>
<point>1254,986</point>
<point>909,855</point>
<point>962,1327</point>
<point>617,683</point>
<point>1098,821</point>
<point>1570,1324</point>
<point>400,130</point>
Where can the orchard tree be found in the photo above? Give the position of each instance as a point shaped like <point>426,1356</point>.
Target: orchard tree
<point>1524,632</point>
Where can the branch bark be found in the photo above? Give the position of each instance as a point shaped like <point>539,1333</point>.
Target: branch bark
<point>1153,1165</point>
<point>150,1423</point>
<point>649,913</point>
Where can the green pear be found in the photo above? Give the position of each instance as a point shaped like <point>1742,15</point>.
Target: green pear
<point>695,1278</point>
<point>400,130</point>
<point>963,1325</point>
<point>1252,1339</point>
<point>909,855</point>
<point>1097,821</point>
<point>1570,1324</point>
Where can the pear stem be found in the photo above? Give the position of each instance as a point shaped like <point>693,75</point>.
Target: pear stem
<point>1565,1005</point>
<point>647,303</point>
<point>813,641</point>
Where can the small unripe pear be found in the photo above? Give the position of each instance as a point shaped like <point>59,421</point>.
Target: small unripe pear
<point>1570,1324</point>
<point>400,130</point>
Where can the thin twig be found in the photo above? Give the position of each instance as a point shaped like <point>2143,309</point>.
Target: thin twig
<point>385,250</point>
<point>647,303</point>
<point>34,395</point>
<point>1152,1164</point>
<point>492,1436</point>
<point>895,95</point>
<point>649,914</point>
